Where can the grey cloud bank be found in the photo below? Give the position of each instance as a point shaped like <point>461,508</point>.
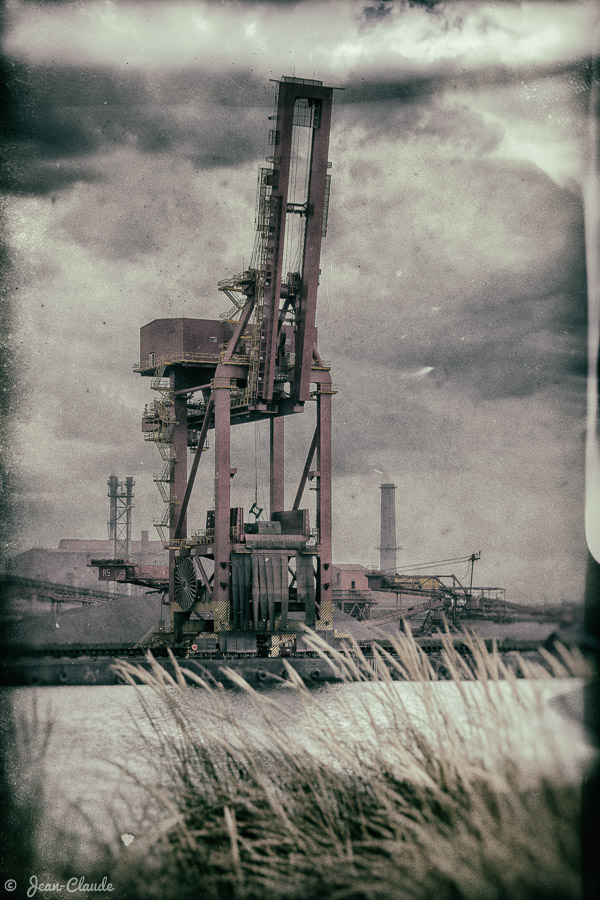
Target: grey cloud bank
<point>455,245</point>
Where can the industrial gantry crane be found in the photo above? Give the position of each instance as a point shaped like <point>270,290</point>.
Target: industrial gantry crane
<point>253,586</point>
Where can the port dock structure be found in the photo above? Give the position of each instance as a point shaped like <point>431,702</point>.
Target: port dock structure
<point>98,665</point>
<point>254,583</point>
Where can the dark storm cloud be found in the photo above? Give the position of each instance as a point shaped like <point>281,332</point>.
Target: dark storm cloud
<point>495,366</point>
<point>493,325</point>
<point>452,121</point>
<point>447,119</point>
<point>284,4</point>
<point>439,104</point>
<point>20,174</point>
<point>507,343</point>
<point>384,86</point>
<point>377,12</point>
<point>500,354</point>
<point>59,120</point>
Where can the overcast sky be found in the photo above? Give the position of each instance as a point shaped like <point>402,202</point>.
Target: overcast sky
<point>452,304</point>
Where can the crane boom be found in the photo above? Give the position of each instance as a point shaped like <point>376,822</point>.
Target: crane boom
<point>295,188</point>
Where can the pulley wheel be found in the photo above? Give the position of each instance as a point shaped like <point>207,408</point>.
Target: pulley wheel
<point>186,583</point>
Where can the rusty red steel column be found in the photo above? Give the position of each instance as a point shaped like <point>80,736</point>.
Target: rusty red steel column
<point>231,348</point>
<point>306,470</point>
<point>305,336</point>
<point>281,173</point>
<point>324,492</point>
<point>182,515</point>
<point>277,462</point>
<point>321,99</point>
<point>222,540</point>
<point>179,478</point>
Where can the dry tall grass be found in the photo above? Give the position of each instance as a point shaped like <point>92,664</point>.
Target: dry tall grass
<point>372,802</point>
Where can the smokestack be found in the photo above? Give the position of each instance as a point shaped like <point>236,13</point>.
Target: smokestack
<point>120,495</point>
<point>145,551</point>
<point>129,483</point>
<point>387,548</point>
<point>113,488</point>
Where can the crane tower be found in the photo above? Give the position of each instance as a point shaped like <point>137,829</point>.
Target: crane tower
<point>254,584</point>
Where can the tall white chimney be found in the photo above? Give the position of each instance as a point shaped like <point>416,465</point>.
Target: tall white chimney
<point>387,546</point>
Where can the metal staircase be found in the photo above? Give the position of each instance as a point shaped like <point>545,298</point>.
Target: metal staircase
<point>162,420</point>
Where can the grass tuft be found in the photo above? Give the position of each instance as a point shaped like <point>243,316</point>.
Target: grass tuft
<point>379,800</point>
<point>368,790</point>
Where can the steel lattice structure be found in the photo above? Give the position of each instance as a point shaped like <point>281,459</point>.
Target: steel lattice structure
<point>259,361</point>
<point>120,495</point>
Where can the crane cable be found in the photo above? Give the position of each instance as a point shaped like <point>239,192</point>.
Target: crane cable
<point>256,452</point>
<point>435,562</point>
